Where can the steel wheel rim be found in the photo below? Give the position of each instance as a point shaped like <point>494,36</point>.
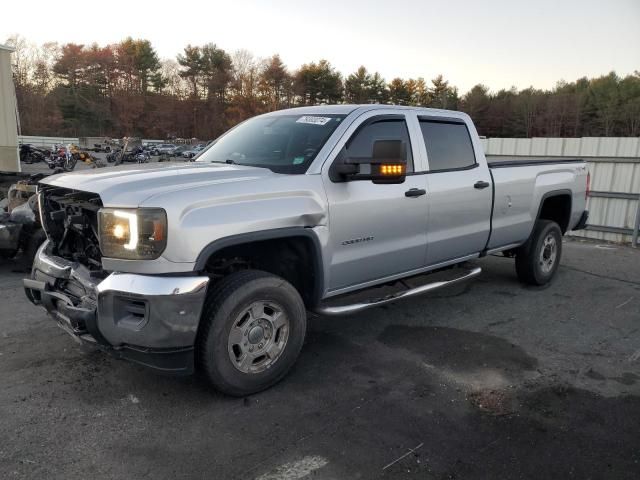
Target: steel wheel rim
<point>258,337</point>
<point>548,253</point>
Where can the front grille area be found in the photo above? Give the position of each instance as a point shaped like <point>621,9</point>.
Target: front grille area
<point>70,219</point>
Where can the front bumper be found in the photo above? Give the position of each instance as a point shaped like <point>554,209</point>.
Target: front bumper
<point>149,319</point>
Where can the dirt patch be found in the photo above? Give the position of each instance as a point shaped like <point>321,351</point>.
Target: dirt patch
<point>492,402</point>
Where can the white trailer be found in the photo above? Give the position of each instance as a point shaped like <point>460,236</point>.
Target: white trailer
<point>9,159</point>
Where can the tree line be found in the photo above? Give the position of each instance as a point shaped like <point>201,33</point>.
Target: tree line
<point>126,89</point>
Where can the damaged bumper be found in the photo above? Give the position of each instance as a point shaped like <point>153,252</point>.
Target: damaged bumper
<point>151,320</point>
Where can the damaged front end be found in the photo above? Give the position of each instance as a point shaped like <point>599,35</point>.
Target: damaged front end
<point>69,219</point>
<point>149,319</point>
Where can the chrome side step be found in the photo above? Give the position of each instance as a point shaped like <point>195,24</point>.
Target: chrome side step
<point>429,287</point>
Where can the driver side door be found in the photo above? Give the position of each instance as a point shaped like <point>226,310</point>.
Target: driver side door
<point>377,231</point>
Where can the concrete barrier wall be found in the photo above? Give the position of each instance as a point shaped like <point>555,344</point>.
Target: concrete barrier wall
<point>47,142</point>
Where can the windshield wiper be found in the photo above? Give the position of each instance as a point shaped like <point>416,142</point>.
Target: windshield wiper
<point>228,161</point>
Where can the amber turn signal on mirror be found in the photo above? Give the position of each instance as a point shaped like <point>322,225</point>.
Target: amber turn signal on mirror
<point>394,169</point>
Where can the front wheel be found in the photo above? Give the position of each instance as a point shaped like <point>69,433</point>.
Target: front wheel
<point>537,260</point>
<point>251,333</point>
<point>70,163</point>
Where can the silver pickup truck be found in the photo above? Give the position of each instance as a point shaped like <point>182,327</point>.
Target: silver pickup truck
<point>213,265</point>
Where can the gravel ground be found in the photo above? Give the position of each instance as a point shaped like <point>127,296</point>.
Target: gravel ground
<point>484,380</point>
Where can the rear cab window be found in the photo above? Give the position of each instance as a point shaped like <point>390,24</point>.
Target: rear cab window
<point>448,144</point>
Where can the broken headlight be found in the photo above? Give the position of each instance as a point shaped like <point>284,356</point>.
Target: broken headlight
<point>132,234</point>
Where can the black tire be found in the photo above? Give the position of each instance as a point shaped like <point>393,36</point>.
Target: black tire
<point>225,304</point>
<point>534,262</point>
<point>70,164</point>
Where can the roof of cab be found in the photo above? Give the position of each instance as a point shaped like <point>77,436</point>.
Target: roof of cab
<point>319,109</point>
<point>347,109</point>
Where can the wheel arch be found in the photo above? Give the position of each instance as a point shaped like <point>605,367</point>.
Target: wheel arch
<point>556,205</point>
<point>311,288</point>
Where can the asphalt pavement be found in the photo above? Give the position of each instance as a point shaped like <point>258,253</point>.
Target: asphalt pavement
<point>489,379</point>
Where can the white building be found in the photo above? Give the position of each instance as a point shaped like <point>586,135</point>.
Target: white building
<point>9,160</point>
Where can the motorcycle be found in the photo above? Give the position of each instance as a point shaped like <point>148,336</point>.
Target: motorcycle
<point>142,156</point>
<point>30,154</point>
<point>135,154</point>
<point>62,157</point>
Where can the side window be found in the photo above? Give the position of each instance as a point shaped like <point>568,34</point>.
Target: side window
<point>448,145</point>
<point>361,144</point>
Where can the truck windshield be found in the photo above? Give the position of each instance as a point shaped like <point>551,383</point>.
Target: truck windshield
<point>283,143</point>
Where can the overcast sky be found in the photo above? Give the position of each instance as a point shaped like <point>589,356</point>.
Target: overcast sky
<point>496,42</point>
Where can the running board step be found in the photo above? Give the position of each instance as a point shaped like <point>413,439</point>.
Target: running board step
<point>429,287</point>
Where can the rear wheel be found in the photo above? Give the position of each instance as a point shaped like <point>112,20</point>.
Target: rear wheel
<point>252,330</point>
<point>537,260</point>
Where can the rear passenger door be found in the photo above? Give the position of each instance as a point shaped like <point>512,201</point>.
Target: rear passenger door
<point>459,191</point>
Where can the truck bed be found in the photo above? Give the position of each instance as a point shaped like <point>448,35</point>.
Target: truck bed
<point>521,185</point>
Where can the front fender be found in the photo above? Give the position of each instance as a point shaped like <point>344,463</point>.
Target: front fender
<point>225,211</point>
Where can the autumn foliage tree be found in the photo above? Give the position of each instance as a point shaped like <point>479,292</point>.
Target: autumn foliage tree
<point>126,89</point>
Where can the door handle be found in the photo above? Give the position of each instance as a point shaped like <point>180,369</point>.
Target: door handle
<point>415,192</point>
<point>480,184</point>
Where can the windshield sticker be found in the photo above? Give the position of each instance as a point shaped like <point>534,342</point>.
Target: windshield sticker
<point>314,120</point>
<point>298,160</point>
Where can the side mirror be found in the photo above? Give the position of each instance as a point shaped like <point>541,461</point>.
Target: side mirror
<point>388,164</point>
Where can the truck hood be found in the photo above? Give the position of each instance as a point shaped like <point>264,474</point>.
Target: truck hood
<point>130,185</point>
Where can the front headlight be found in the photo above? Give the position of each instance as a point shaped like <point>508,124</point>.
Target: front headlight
<point>132,234</point>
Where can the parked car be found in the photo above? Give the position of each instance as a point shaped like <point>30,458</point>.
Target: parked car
<point>180,150</point>
<point>214,264</point>
<point>149,146</point>
<point>163,148</point>
<point>194,151</point>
